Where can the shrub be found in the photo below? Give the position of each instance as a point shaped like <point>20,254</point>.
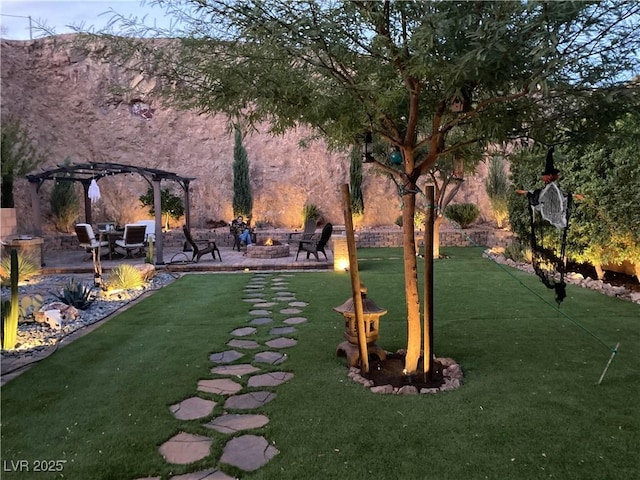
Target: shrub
<point>311,212</point>
<point>464,214</point>
<point>27,268</point>
<point>518,252</point>
<point>76,295</point>
<point>124,277</point>
<point>497,187</point>
<point>65,205</point>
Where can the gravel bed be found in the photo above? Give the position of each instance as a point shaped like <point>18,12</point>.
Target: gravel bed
<point>34,337</point>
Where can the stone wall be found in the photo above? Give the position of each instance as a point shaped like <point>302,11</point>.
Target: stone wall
<point>370,238</point>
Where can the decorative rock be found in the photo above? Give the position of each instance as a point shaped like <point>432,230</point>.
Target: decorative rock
<point>248,452</point>
<point>243,332</point>
<point>407,390</point>
<point>246,344</point>
<point>249,401</point>
<point>222,386</point>
<point>185,448</point>
<point>271,379</point>
<point>225,357</point>
<point>67,312</point>
<point>453,371</point>
<point>383,389</point>
<point>233,423</point>
<point>147,270</point>
<point>192,408</point>
<point>281,342</point>
<point>53,318</point>
<point>210,474</point>
<point>272,358</point>
<point>235,370</point>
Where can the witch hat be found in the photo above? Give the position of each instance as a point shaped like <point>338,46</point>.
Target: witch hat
<point>549,169</point>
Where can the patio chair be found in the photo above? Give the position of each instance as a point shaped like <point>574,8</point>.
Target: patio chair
<point>201,247</point>
<point>315,245</point>
<point>309,229</point>
<point>87,238</point>
<point>132,239</point>
<point>150,232</point>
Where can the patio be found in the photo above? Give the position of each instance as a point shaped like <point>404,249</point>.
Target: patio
<point>73,261</point>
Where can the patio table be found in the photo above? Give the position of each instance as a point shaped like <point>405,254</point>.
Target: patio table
<point>111,236</point>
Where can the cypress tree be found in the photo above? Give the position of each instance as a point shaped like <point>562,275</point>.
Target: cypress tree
<point>242,198</point>
<point>355,179</point>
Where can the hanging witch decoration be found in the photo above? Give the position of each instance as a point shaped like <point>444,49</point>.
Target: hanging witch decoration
<point>549,209</point>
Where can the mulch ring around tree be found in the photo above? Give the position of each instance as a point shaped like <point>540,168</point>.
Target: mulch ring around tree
<point>387,376</point>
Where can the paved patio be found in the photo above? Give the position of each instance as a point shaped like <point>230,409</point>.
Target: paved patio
<point>77,261</point>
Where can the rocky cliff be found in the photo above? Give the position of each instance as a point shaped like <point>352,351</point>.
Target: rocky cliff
<point>68,103</point>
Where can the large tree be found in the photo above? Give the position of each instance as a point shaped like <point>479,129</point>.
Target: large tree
<point>429,78</point>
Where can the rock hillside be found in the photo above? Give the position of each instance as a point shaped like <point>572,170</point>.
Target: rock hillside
<point>68,103</point>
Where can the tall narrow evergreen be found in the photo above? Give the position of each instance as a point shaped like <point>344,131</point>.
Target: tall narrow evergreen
<point>242,198</point>
<point>355,179</point>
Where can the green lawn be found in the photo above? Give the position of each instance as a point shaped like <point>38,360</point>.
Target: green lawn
<point>529,407</point>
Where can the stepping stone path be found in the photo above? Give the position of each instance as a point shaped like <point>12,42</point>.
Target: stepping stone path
<point>233,386</point>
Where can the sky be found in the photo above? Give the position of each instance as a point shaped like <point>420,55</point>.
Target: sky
<point>58,14</point>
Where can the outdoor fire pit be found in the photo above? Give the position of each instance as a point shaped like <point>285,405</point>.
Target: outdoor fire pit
<point>268,249</point>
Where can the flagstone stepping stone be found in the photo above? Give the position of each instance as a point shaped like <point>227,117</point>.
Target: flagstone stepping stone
<point>249,401</point>
<point>298,304</point>
<point>185,448</point>
<point>253,288</point>
<point>243,332</point>
<point>149,478</point>
<point>192,408</point>
<point>247,344</point>
<point>225,357</point>
<point>265,304</point>
<point>282,330</point>
<point>285,294</point>
<point>210,474</point>
<point>261,321</point>
<point>272,358</point>
<point>220,386</point>
<point>259,312</point>
<point>279,287</point>
<point>235,370</point>
<point>248,452</point>
<point>271,379</point>
<point>294,320</point>
<point>253,300</point>
<point>258,295</point>
<point>281,342</point>
<point>290,311</point>
<point>234,422</point>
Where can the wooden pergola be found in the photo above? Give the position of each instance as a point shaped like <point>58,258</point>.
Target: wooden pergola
<point>85,173</point>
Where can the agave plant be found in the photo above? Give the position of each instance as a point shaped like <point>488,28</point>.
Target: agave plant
<point>76,295</point>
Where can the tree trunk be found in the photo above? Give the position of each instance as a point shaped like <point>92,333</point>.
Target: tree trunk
<point>436,235</point>
<point>414,330</point>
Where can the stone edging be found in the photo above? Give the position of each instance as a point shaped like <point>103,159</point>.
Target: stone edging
<point>452,380</point>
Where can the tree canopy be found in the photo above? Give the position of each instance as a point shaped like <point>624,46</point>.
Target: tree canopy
<point>430,78</point>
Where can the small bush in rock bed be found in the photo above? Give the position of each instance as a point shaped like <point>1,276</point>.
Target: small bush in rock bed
<point>464,214</point>
<point>124,277</point>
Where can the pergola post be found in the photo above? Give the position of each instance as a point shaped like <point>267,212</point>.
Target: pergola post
<point>87,202</point>
<point>35,207</point>
<point>157,207</point>
<point>187,206</point>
